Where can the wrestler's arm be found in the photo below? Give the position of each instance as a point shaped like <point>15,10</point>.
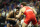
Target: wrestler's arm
<point>18,16</point>
<point>8,16</point>
<point>34,11</point>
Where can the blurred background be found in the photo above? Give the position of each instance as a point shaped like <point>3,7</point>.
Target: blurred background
<point>7,5</point>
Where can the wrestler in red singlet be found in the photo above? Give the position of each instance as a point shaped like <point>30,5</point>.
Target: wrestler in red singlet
<point>30,16</point>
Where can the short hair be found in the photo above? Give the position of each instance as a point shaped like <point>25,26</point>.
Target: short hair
<point>18,8</point>
<point>23,3</point>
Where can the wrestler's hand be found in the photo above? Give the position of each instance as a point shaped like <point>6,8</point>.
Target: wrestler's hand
<point>15,19</point>
<point>17,16</point>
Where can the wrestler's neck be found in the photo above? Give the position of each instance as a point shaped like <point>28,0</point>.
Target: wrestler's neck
<point>24,6</point>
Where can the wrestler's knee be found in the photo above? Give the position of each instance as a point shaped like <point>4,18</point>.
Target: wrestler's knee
<point>24,24</point>
<point>8,25</point>
<point>17,25</point>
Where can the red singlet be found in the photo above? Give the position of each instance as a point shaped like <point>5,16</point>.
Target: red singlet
<point>30,16</point>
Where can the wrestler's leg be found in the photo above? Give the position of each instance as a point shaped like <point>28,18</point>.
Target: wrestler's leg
<point>26,22</point>
<point>35,22</point>
<point>17,25</point>
<point>24,25</point>
<point>8,25</point>
<point>36,25</point>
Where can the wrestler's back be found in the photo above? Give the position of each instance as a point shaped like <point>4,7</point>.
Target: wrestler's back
<point>28,11</point>
<point>30,15</point>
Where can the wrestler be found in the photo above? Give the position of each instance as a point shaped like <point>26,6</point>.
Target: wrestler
<point>11,20</point>
<point>30,15</point>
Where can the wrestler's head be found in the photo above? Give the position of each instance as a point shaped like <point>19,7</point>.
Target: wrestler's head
<point>23,4</point>
<point>17,10</point>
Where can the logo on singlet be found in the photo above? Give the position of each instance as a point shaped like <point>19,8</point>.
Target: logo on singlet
<point>28,10</point>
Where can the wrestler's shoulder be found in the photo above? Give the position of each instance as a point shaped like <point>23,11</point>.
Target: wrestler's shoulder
<point>23,8</point>
<point>10,12</point>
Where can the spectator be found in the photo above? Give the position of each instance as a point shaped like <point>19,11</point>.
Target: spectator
<point>9,8</point>
<point>7,12</point>
<point>3,13</point>
<point>3,16</point>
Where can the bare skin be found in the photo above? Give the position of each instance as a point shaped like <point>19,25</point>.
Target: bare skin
<point>8,25</point>
<point>23,10</point>
<point>8,18</point>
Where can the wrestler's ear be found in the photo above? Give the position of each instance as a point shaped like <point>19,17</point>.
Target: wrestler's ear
<point>21,5</point>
